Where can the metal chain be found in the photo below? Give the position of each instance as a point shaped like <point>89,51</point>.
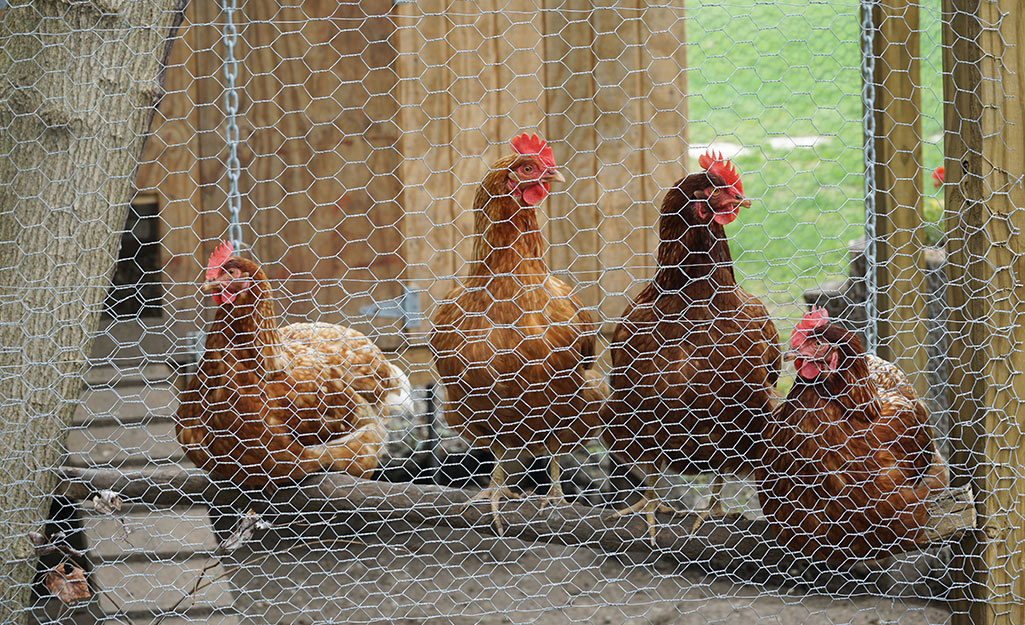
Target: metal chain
<point>869,125</point>
<point>231,100</point>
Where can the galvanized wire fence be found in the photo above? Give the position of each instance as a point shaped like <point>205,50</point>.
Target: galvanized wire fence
<point>537,312</point>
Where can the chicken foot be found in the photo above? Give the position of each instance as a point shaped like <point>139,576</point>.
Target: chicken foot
<point>495,492</point>
<point>650,503</point>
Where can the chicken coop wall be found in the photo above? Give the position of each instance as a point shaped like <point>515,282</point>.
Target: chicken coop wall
<point>372,143</point>
<point>311,176</point>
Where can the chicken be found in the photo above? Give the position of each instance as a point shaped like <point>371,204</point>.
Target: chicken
<point>512,345</point>
<point>696,358</point>
<point>274,404</point>
<point>851,463</point>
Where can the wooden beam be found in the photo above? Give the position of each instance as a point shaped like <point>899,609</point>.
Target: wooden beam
<point>985,205</point>
<point>735,545</point>
<point>900,271</point>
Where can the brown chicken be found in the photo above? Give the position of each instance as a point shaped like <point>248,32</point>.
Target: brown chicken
<point>696,358</point>
<point>273,404</point>
<point>851,463</point>
<point>512,345</point>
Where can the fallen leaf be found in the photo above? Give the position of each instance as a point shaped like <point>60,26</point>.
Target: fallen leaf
<point>67,582</point>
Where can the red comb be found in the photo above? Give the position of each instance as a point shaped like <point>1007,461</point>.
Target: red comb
<point>221,254</point>
<point>533,144</point>
<point>812,319</point>
<point>714,163</point>
<point>938,177</point>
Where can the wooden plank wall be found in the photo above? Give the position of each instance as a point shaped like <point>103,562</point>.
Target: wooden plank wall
<point>366,129</point>
<point>318,155</point>
<point>605,87</point>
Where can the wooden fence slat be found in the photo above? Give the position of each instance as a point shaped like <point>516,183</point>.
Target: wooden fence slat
<point>573,210</point>
<point>518,100</point>
<point>664,79</point>
<point>620,151</point>
<point>210,220</point>
<point>419,243</point>
<point>443,143</point>
<point>899,262</point>
<point>168,166</point>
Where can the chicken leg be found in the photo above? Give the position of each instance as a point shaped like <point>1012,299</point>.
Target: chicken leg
<point>555,496</point>
<point>650,503</point>
<point>495,492</point>
<point>715,507</point>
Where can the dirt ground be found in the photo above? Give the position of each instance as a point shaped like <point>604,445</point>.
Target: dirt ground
<point>439,576</point>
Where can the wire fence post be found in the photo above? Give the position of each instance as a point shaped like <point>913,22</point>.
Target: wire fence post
<point>985,130</point>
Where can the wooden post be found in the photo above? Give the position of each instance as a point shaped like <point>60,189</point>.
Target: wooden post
<point>900,276</point>
<point>985,204</point>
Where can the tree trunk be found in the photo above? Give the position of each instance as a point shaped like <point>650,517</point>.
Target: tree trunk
<point>79,81</point>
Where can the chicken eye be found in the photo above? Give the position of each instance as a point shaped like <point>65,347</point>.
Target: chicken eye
<point>528,169</point>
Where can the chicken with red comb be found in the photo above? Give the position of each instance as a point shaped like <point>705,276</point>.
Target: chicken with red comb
<point>850,461</point>
<point>274,404</point>
<point>513,345</point>
<point>696,358</point>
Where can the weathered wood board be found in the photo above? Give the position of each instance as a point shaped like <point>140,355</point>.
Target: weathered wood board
<point>365,129</point>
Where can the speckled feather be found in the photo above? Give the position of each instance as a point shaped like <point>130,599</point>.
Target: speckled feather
<point>276,404</point>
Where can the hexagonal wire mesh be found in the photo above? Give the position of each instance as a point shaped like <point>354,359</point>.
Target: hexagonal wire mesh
<point>560,320</point>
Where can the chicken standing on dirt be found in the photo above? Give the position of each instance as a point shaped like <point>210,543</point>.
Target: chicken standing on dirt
<point>696,358</point>
<point>512,345</point>
<point>271,404</point>
<point>851,463</point>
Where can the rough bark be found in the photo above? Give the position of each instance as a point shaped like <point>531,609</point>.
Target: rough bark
<point>79,81</point>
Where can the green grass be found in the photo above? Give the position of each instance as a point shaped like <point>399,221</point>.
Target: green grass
<point>760,70</point>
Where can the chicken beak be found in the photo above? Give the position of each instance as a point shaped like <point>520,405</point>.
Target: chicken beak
<point>210,288</point>
<point>554,175</point>
<point>746,204</point>
<point>790,355</point>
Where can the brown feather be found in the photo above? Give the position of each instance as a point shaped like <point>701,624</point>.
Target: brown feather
<point>850,463</point>
<point>513,345</point>
<point>275,404</point>
<point>696,357</point>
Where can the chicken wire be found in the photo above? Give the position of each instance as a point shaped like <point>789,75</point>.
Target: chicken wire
<point>340,147</point>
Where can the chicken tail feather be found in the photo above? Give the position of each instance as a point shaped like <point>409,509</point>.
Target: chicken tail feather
<point>355,453</point>
<point>400,399</point>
